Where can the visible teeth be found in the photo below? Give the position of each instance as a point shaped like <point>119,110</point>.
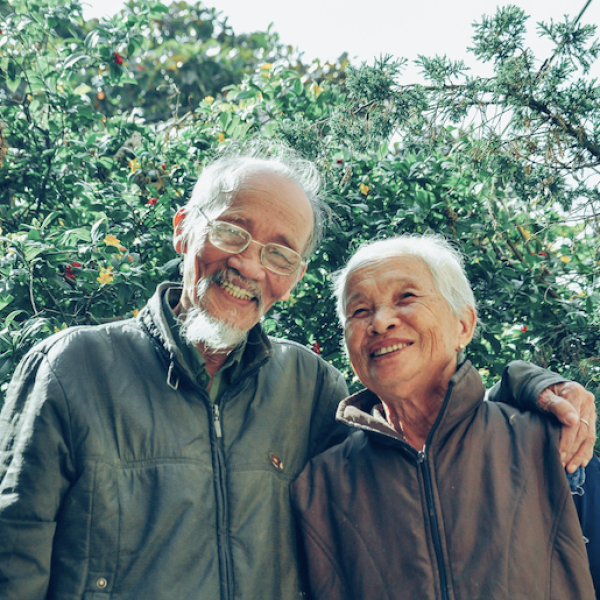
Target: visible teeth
<point>235,291</point>
<point>389,349</point>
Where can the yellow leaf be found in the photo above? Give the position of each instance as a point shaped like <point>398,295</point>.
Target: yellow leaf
<point>364,189</point>
<point>209,99</point>
<point>134,165</point>
<point>106,275</point>
<point>221,137</point>
<point>111,240</point>
<point>566,259</point>
<point>316,89</point>
<point>525,232</point>
<point>266,66</point>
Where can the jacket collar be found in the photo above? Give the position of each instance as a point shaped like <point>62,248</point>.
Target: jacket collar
<point>152,317</point>
<point>465,393</point>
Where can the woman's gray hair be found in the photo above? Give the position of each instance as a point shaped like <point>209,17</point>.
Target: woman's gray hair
<point>444,261</point>
<point>223,178</point>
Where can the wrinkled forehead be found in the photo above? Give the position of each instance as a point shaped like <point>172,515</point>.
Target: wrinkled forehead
<point>367,271</point>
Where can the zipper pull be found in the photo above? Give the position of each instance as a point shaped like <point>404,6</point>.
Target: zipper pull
<point>217,420</point>
<point>422,455</point>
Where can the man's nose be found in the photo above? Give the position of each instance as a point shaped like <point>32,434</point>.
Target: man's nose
<point>248,262</point>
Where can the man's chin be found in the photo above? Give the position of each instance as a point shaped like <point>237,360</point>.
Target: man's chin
<point>215,335</point>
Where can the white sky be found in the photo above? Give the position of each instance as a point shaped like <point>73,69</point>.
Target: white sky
<point>368,28</point>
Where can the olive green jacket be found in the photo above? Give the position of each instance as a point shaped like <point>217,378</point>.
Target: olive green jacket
<point>119,479</point>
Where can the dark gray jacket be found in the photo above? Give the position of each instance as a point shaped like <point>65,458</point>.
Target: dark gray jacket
<point>116,481</point>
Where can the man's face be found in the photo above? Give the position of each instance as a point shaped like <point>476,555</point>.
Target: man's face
<point>236,288</point>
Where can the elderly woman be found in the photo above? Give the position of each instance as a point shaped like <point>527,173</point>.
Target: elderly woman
<point>438,494</point>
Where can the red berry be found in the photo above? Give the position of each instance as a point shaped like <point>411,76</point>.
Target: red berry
<point>117,58</point>
<point>152,201</point>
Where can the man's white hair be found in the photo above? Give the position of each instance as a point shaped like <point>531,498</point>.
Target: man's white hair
<point>222,179</point>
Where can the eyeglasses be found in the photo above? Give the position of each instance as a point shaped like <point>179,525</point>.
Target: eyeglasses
<point>234,239</point>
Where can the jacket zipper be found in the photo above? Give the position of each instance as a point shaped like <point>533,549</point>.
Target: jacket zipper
<point>222,508</point>
<point>217,420</point>
<point>422,460</point>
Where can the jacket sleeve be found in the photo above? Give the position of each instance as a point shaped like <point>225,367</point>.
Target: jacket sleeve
<point>521,384</point>
<point>588,509</point>
<point>35,469</point>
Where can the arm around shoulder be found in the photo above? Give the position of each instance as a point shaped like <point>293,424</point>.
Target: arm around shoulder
<point>522,383</point>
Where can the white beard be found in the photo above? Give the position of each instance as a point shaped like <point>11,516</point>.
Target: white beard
<point>201,328</point>
<point>216,336</point>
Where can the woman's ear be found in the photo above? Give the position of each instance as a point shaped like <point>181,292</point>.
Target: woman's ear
<point>180,246</point>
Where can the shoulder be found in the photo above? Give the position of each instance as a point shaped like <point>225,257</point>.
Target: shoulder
<point>289,352</point>
<point>87,337</point>
<point>524,429</point>
<point>88,351</point>
<point>337,459</point>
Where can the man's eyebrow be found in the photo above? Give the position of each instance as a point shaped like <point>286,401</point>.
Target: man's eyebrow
<point>247,223</point>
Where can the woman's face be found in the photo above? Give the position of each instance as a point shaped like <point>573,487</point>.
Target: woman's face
<point>401,335</point>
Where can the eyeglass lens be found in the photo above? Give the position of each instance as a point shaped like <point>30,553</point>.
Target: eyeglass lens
<point>234,239</point>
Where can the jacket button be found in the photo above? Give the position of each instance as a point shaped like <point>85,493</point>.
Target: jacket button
<point>276,462</point>
<point>101,583</point>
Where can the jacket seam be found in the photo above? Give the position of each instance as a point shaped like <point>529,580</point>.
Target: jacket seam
<point>353,528</point>
<point>326,553</point>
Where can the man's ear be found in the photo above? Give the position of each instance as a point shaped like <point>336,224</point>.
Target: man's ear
<point>467,325</point>
<point>178,243</point>
<point>286,296</point>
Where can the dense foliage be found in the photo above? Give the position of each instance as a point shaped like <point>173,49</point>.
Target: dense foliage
<point>105,126</point>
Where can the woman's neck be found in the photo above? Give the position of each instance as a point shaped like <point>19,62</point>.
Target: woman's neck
<point>413,418</point>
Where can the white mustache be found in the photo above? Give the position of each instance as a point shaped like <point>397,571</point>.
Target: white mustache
<point>232,276</point>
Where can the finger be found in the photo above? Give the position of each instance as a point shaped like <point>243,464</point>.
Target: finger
<point>577,436</point>
<point>561,408</point>
<point>583,455</point>
<point>570,442</point>
<point>579,452</point>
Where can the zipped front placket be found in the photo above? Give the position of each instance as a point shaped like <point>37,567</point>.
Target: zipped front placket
<point>220,477</point>
<point>423,463</point>
<point>222,507</point>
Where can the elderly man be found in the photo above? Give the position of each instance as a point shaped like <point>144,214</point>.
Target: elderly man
<point>151,458</point>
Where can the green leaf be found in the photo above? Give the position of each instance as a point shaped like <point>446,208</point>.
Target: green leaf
<point>244,95</point>
<point>82,89</point>
<point>4,302</point>
<point>224,120</point>
<point>99,230</point>
<point>13,84</point>
<point>74,59</point>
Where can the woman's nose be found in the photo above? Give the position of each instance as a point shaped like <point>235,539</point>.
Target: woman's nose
<point>384,319</point>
